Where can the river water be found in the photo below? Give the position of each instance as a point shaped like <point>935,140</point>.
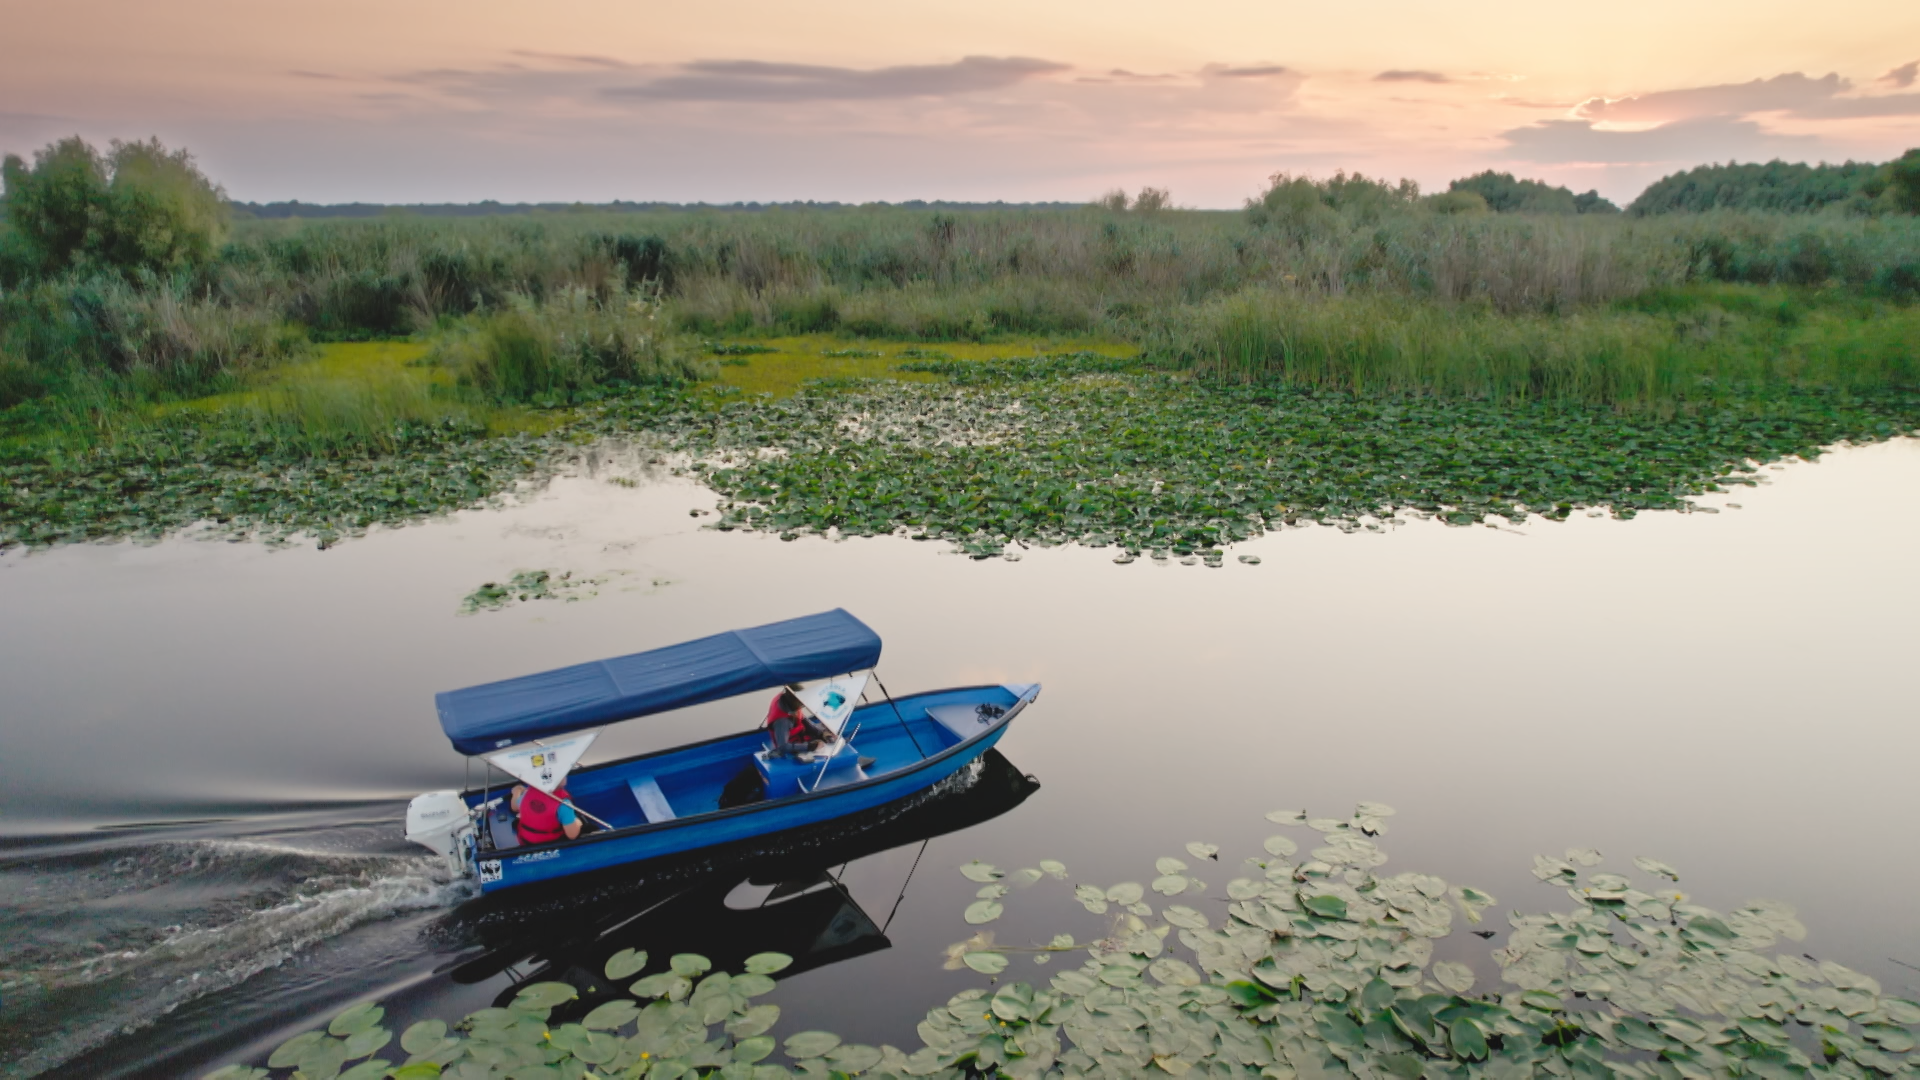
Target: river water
<point>207,746</point>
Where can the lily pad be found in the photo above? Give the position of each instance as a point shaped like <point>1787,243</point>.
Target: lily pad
<point>625,964</point>
<point>360,1018</point>
<point>981,872</point>
<point>1203,851</point>
<point>986,963</point>
<point>767,963</point>
<point>811,1044</point>
<point>983,911</point>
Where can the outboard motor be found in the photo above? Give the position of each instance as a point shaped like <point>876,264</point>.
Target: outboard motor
<point>440,820</point>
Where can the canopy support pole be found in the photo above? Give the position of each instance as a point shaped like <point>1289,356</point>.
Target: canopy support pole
<point>896,714</point>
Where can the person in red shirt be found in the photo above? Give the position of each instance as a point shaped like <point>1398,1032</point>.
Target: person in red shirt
<point>791,729</point>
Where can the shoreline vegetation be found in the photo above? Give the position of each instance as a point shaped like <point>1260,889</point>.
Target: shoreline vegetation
<point>1319,965</point>
<point>1123,373</point>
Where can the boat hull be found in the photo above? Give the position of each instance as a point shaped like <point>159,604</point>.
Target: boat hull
<point>498,870</point>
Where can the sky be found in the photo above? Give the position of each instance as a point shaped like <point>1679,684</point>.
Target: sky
<point>402,101</point>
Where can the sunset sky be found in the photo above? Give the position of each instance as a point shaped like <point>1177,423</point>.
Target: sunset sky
<point>849,100</point>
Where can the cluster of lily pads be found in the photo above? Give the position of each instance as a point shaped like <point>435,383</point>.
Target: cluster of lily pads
<point>1087,449</point>
<point>1319,966</point>
<point>226,475</point>
<point>528,585</point>
<point>1068,448</point>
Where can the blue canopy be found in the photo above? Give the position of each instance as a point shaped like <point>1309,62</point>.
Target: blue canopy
<point>483,718</point>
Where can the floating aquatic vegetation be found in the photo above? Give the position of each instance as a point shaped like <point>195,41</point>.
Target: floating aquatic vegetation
<point>1048,449</point>
<point>1090,449</point>
<point>528,585</point>
<point>1318,966</point>
<point>720,348</point>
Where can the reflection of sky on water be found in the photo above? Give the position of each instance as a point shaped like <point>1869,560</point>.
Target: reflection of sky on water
<point>1729,693</point>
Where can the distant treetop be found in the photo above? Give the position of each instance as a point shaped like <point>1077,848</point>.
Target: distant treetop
<point>1777,185</point>
<point>1504,194</point>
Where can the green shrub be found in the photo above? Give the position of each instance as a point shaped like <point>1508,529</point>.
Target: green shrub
<point>139,207</point>
<point>571,343</point>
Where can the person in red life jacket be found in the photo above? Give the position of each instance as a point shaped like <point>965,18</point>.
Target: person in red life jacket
<point>791,729</point>
<point>543,818</point>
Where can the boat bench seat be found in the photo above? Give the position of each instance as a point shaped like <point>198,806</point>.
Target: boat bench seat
<point>964,721</point>
<point>653,801</point>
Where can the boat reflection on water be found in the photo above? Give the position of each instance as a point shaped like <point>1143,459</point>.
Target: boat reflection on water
<point>727,906</point>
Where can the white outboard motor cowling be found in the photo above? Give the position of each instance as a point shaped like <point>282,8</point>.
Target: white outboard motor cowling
<point>439,820</point>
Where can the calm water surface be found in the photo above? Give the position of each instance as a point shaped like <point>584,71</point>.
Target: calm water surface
<point>207,746</point>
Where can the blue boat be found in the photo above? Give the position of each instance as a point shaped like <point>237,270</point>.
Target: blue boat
<point>707,794</point>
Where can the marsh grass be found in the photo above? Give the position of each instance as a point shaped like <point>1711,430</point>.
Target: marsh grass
<point>1663,346</point>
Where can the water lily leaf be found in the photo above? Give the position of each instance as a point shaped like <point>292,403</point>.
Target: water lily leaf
<point>983,911</point>
<point>1281,846</point>
<point>991,892</point>
<point>1173,972</point>
<point>690,964</point>
<point>755,1020</point>
<point>362,1043</point>
<point>611,1016</point>
<point>1092,898</point>
<point>1127,892</point>
<point>1055,868</point>
<point>811,1044</point>
<point>1185,917</point>
<point>753,1049</point>
<point>1061,941</point>
<point>357,1019</point>
<point>767,963</point>
<point>1203,851</point>
<point>1288,817</point>
<point>981,872</point>
<point>1656,867</point>
<point>626,963</point>
<point>544,995</point>
<point>289,1054</point>
<point>422,1037</point>
<point>1330,907</point>
<point>1456,977</point>
<point>416,1070</point>
<point>750,985</point>
<point>367,1070</point>
<point>986,963</point>
<point>1166,865</point>
<point>1025,876</point>
<point>854,1058</point>
<point>1583,856</point>
<point>1467,1040</point>
<point>1170,885</point>
<point>1374,810</point>
<point>664,984</point>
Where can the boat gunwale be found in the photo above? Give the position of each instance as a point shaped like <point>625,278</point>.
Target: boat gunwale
<point>1020,703</point>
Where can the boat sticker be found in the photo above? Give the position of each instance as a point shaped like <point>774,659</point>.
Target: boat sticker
<point>489,871</point>
<point>831,702</point>
<point>537,856</point>
<point>543,764</point>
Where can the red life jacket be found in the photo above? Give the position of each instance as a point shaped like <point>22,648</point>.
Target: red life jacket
<point>539,821</point>
<point>796,727</point>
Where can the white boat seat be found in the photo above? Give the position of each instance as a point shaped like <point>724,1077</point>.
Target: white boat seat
<point>966,721</point>
<point>653,801</point>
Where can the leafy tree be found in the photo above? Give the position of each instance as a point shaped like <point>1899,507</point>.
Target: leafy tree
<point>1504,194</point>
<point>137,207</point>
<point>1301,203</point>
<point>1903,182</point>
<point>1777,185</point>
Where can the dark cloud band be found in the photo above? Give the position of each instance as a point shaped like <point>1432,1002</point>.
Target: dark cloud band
<point>756,80</point>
